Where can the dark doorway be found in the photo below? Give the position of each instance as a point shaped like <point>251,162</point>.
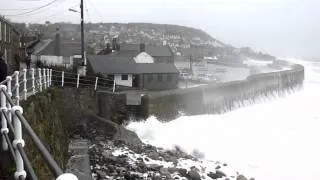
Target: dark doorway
<point>136,81</point>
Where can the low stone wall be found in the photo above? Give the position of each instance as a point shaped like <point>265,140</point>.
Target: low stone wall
<point>112,106</point>
<point>217,98</point>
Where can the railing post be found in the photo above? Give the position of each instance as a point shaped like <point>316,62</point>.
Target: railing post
<point>4,128</point>
<point>67,176</point>
<point>18,140</point>
<point>17,86</point>
<point>40,79</point>
<point>96,83</point>
<point>114,86</point>
<point>10,95</point>
<point>44,79</point>
<point>78,80</point>
<point>62,79</point>
<point>33,84</point>
<point>48,78</point>
<point>25,83</point>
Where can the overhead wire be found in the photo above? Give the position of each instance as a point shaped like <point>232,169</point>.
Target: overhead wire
<point>56,14</point>
<point>86,7</point>
<point>34,10</point>
<point>96,10</point>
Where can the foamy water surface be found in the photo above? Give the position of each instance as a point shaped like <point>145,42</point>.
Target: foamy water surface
<point>274,140</point>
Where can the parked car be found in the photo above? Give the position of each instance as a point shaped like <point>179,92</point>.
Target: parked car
<point>185,76</point>
<point>208,78</point>
<point>195,78</point>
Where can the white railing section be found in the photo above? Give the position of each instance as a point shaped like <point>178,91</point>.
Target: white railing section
<point>17,86</point>
<point>27,83</point>
<point>44,79</point>
<point>62,79</point>
<point>4,127</point>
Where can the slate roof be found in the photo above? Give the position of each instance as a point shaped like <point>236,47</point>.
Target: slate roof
<point>155,51</point>
<point>125,65</point>
<point>67,48</point>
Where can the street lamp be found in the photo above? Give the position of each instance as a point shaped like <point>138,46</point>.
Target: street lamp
<point>84,62</point>
<point>73,10</point>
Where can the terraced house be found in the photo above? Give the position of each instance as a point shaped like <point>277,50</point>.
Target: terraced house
<point>9,43</point>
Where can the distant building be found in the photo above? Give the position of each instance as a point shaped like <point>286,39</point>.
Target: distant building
<point>9,43</point>
<point>161,54</point>
<point>63,53</point>
<point>139,72</point>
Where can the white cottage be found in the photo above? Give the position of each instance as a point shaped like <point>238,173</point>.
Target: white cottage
<point>136,71</point>
<point>63,53</point>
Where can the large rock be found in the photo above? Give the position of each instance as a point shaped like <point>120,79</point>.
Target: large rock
<point>193,175</point>
<point>115,131</point>
<point>218,174</point>
<point>241,177</point>
<point>154,167</point>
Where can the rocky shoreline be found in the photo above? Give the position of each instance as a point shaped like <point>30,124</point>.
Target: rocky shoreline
<point>117,153</point>
<point>110,160</point>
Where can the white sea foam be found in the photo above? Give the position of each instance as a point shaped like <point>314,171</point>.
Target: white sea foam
<point>277,139</point>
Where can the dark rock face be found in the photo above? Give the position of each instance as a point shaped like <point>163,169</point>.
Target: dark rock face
<point>193,174</point>
<point>129,165</point>
<point>100,128</point>
<point>241,177</point>
<point>183,172</point>
<point>218,174</point>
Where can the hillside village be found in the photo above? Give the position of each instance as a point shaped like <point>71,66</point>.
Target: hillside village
<point>175,53</point>
<point>183,41</point>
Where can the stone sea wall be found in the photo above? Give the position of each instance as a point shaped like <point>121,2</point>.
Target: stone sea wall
<point>55,115</point>
<point>218,98</point>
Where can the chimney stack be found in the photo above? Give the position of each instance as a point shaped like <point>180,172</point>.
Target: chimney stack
<point>142,47</point>
<point>57,51</point>
<point>115,44</point>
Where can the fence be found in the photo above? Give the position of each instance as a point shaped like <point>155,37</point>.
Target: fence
<point>19,86</point>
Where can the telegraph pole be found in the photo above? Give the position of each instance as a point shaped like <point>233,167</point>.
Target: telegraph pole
<point>82,35</point>
<point>191,70</point>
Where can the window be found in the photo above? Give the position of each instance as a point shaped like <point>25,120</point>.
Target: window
<point>5,32</point>
<point>160,77</point>
<point>5,55</point>
<point>150,77</point>
<point>169,77</point>
<point>164,77</point>
<point>9,34</point>
<point>124,77</point>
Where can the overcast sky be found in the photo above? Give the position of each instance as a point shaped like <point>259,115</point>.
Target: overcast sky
<point>286,28</point>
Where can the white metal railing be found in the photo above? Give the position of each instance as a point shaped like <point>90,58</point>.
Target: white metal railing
<point>13,124</point>
<point>26,83</point>
<point>61,78</point>
<point>22,84</point>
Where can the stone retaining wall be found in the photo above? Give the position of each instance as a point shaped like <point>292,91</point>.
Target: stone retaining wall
<point>217,98</point>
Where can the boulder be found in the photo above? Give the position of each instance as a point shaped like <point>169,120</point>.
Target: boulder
<point>154,167</point>
<point>101,174</point>
<point>172,169</point>
<point>218,174</point>
<point>164,171</point>
<point>182,172</point>
<point>193,174</point>
<point>154,155</point>
<point>241,177</point>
